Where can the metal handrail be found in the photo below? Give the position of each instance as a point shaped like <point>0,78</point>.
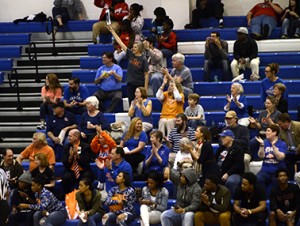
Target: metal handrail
<point>15,85</point>
<point>50,19</point>
<point>34,58</point>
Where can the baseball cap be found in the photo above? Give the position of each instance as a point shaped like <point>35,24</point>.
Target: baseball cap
<point>231,114</point>
<point>26,177</point>
<point>242,30</point>
<point>227,133</point>
<point>59,104</point>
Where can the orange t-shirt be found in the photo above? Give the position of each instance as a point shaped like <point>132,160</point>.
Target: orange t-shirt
<point>171,107</point>
<point>57,94</point>
<point>31,151</point>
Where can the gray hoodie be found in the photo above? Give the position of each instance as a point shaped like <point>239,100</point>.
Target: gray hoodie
<point>188,195</point>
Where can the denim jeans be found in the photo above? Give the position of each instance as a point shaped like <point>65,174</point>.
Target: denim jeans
<point>290,27</point>
<point>170,218</point>
<point>58,149</point>
<point>233,181</point>
<point>112,219</point>
<point>210,64</point>
<point>156,80</point>
<point>54,218</point>
<point>259,21</point>
<point>92,220</point>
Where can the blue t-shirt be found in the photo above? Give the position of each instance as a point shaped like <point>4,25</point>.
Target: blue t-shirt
<point>132,143</point>
<point>267,89</point>
<point>110,83</point>
<point>138,113</point>
<point>79,96</point>
<point>55,124</point>
<point>99,119</point>
<point>163,152</point>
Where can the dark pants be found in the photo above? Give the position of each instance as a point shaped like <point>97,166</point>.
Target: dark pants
<point>114,96</point>
<point>21,218</point>
<point>290,160</point>
<point>45,109</point>
<point>3,211</point>
<point>134,160</point>
<point>258,219</point>
<point>131,91</point>
<point>60,12</point>
<point>213,64</point>
<point>69,181</point>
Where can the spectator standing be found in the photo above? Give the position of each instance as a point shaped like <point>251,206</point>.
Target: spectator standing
<point>262,19</point>
<point>109,77</point>
<point>51,93</point>
<point>195,112</point>
<point>290,20</point>
<point>157,22</point>
<point>155,59</point>
<point>141,107</point>
<point>137,70</point>
<point>4,195</point>
<point>216,56</point>
<point>167,41</point>
<point>237,102</point>
<point>215,204</point>
<point>39,145</point>
<point>116,9</point>
<point>206,9</point>
<point>137,21</point>
<point>187,199</point>
<point>154,200</point>
<point>230,157</point>
<point>11,167</point>
<point>250,202</point>
<point>278,92</point>
<point>75,95</point>
<point>245,53</point>
<point>268,83</point>
<point>284,200</point>
<point>180,73</point>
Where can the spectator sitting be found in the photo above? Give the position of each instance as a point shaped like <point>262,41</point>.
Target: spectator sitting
<point>204,155</point>
<point>137,21</point>
<point>216,56</point>
<point>278,93</point>
<point>112,167</point>
<point>157,154</point>
<point>245,52</point>
<point>230,157</point>
<point>250,202</point>
<point>117,9</point>
<point>172,104</point>
<point>120,200</point>
<point>266,117</point>
<point>157,23</point>
<point>134,140</point>
<point>187,199</point>
<point>127,36</point>
<point>238,103</point>
<point>241,136</point>
<point>290,134</point>
<point>58,126</point>
<point>90,119</point>
<point>75,95</point>
<point>215,203</point>
<point>102,144</point>
<point>39,145</point>
<point>137,71</point>
<point>65,10</point>
<point>141,107</point>
<point>205,9</point>
<point>268,83</point>
<point>184,154</point>
<point>22,194</point>
<point>43,169</point>
<point>284,200</point>
<point>51,93</point>
<point>109,77</point>
<point>194,112</point>
<point>155,59</point>
<point>48,203</point>
<point>76,161</point>
<point>272,151</point>
<point>11,167</point>
<point>167,41</point>
<point>181,130</point>
<point>262,19</point>
<point>154,200</point>
<point>180,73</point>
<point>290,20</point>
<point>89,204</point>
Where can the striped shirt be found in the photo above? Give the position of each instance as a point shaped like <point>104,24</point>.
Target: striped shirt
<point>3,185</point>
<point>174,137</point>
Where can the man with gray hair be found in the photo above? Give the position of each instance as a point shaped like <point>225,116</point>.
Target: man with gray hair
<point>180,73</point>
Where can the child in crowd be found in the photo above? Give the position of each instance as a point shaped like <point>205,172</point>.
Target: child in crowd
<point>167,41</point>
<point>195,112</point>
<point>157,23</point>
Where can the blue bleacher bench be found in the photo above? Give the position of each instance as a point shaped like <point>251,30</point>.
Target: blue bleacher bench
<point>6,64</point>
<point>15,39</point>
<point>10,51</point>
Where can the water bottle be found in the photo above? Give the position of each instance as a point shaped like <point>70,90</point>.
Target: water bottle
<point>216,78</point>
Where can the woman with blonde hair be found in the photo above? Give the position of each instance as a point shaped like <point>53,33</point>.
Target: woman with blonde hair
<point>278,92</point>
<point>42,168</point>
<point>134,141</point>
<point>172,104</point>
<point>51,93</point>
<point>238,103</point>
<point>141,107</point>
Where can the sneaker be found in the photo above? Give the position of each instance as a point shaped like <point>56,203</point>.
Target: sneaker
<point>41,127</point>
<point>221,25</point>
<point>238,78</point>
<point>297,35</point>
<point>284,36</point>
<point>254,77</point>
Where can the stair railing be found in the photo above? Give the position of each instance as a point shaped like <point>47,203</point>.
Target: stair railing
<point>14,73</point>
<point>33,58</point>
<point>50,30</point>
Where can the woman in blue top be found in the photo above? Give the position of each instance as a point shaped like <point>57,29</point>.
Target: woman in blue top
<point>238,103</point>
<point>134,141</point>
<point>120,200</point>
<point>141,107</point>
<point>49,210</point>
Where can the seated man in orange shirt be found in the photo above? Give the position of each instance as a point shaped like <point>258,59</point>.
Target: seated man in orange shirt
<point>39,145</point>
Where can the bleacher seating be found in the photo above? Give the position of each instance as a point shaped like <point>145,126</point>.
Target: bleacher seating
<point>15,39</point>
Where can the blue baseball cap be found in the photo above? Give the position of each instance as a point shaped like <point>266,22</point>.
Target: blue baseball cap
<point>227,133</point>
